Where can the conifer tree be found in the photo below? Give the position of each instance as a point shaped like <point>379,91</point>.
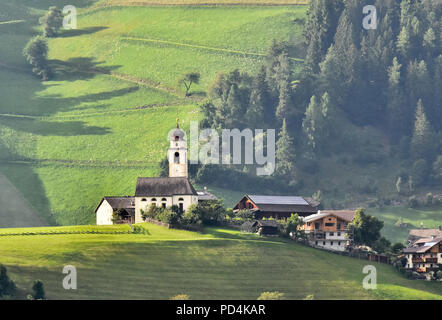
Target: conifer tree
<point>260,100</point>
<point>285,152</point>
<point>403,43</point>
<point>422,143</point>
<point>398,116</point>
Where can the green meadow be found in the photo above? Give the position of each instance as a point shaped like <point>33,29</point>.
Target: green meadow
<point>103,119</point>
<point>158,263</point>
<point>429,218</point>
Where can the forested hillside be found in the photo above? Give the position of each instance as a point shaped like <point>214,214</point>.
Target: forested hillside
<point>362,116</point>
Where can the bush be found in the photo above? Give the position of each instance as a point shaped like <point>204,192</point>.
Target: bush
<point>290,226</point>
<point>429,199</point>
<point>382,245</point>
<point>419,172</point>
<point>52,21</point>
<point>413,202</point>
<point>36,52</point>
<point>212,212</point>
<point>437,169</point>
<point>192,215</point>
<point>7,286</point>
<point>275,295</point>
<point>169,216</point>
<point>246,215</point>
<point>38,290</point>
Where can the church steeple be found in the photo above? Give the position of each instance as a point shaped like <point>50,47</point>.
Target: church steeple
<point>177,154</point>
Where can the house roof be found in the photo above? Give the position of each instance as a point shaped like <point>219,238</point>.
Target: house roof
<point>205,196</point>
<point>156,187</point>
<point>425,233</point>
<point>126,202</point>
<point>283,200</point>
<point>347,215</point>
<point>424,248</point>
<point>267,223</point>
<point>293,204</point>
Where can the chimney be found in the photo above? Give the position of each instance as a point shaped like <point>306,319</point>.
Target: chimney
<point>205,189</point>
<point>422,225</point>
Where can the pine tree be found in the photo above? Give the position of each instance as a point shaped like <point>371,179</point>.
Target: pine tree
<point>283,77</point>
<point>398,117</point>
<point>312,122</point>
<point>260,101</point>
<point>403,43</point>
<point>429,42</point>
<point>422,143</point>
<point>322,19</point>
<point>418,82</point>
<point>235,107</point>
<point>285,153</point>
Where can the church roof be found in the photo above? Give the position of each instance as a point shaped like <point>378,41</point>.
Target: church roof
<point>156,187</point>
<point>126,202</point>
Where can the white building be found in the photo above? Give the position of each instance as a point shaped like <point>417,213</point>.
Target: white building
<point>165,192</point>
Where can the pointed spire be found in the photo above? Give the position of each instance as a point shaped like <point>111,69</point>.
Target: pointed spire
<point>177,123</point>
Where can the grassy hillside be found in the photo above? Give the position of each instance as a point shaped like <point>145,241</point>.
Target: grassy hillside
<point>218,264</point>
<point>430,218</point>
<point>102,120</point>
<point>201,2</point>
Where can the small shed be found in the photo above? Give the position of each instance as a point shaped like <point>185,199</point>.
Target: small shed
<point>249,226</point>
<point>266,227</point>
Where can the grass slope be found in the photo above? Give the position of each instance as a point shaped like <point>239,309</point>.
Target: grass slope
<point>430,218</point>
<point>217,264</point>
<point>102,120</point>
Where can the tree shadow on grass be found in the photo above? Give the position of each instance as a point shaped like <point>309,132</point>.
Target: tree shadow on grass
<point>79,68</point>
<point>55,128</point>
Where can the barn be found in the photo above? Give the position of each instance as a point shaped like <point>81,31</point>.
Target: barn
<point>278,207</point>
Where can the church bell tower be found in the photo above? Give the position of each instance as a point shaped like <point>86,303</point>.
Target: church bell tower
<point>177,153</point>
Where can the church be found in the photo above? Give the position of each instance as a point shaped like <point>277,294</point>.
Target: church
<point>165,192</point>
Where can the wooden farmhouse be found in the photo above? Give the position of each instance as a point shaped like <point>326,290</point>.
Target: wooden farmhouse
<point>278,207</point>
<point>329,229</point>
<point>175,190</point>
<point>424,255</point>
<point>416,234</point>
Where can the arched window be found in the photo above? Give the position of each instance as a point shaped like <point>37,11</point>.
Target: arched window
<point>154,199</point>
<point>163,204</point>
<point>144,199</point>
<point>177,157</point>
<point>177,138</point>
<point>181,204</point>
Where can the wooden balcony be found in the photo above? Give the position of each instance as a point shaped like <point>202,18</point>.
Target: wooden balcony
<point>431,260</point>
<point>418,260</point>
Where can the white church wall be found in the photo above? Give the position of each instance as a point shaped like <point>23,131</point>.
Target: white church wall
<point>104,214</point>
